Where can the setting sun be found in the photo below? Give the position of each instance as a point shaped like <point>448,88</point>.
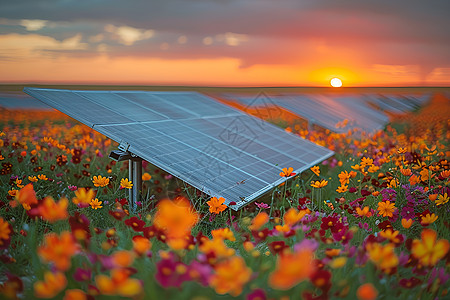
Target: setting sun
<point>336,82</point>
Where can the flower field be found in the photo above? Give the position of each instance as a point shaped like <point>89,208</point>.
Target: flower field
<point>369,223</point>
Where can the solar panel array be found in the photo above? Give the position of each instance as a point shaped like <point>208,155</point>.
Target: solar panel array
<point>363,112</point>
<point>213,147</point>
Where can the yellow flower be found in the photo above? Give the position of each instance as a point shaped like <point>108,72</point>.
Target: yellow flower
<point>100,181</point>
<point>390,235</point>
<point>338,262</point>
<point>42,177</point>
<point>442,199</point>
<point>429,251</point>
<point>383,257</point>
<point>386,208</point>
<point>125,183</point>
<point>216,206</point>
<point>52,284</point>
<point>363,212</point>
<point>342,189</point>
<point>316,170</point>
<point>95,203</point>
<point>32,178</point>
<point>83,196</point>
<point>401,150</point>
<point>319,184</point>
<point>428,219</point>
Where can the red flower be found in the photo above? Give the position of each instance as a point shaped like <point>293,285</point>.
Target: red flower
<point>277,247</point>
<point>135,223</point>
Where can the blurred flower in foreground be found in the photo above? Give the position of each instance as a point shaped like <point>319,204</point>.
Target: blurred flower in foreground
<point>5,233</point>
<point>52,284</point>
<point>367,292</point>
<point>53,211</point>
<point>58,250</point>
<point>292,268</point>
<point>383,257</point>
<point>230,276</point>
<point>146,177</point>
<point>429,251</point>
<point>25,196</point>
<point>176,218</point>
<point>216,206</point>
<point>118,284</point>
<point>83,197</point>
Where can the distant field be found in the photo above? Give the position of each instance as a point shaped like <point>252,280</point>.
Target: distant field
<point>205,89</point>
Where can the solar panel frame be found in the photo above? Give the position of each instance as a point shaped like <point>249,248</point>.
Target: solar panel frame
<point>237,144</point>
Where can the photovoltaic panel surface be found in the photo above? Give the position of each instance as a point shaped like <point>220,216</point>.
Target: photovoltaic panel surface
<point>213,147</point>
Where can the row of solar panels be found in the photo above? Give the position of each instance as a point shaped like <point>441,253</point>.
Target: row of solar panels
<point>219,150</point>
<point>368,112</point>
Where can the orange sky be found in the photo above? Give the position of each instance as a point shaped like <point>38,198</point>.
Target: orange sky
<point>225,44</point>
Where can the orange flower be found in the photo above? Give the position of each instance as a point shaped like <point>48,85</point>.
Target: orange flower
<point>100,181</point>
<point>367,291</point>
<point>316,170</point>
<point>141,245</point>
<point>216,206</point>
<point>146,177</point>
<point>293,216</point>
<point>259,221</point>
<point>125,183</point>
<point>386,208</point>
<point>383,257</point>
<point>424,174</point>
<point>122,258</point>
<point>51,286</point>
<point>365,212</point>
<point>445,174</point>
<point>352,174</point>
<point>58,250</point>
<point>319,184</point>
<point>27,196</point>
<point>18,182</point>
<point>42,177</point>
<point>432,197</point>
<point>428,219</point>
<point>406,223</point>
<point>287,172</point>
<point>406,172</point>
<point>95,203</point>
<point>176,218</point>
<point>118,284</point>
<point>429,251</point>
<point>342,189</point>
<point>216,247</point>
<point>83,196</point>
<point>413,180</point>
<point>52,211</point>
<point>230,276</point>
<point>365,161</point>
<point>224,234</point>
<point>401,150</point>
<point>344,178</point>
<point>75,294</point>
<point>5,231</point>
<point>291,269</point>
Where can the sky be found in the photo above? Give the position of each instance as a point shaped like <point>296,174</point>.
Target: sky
<point>226,42</point>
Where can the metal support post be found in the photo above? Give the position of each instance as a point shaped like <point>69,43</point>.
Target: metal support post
<point>135,175</point>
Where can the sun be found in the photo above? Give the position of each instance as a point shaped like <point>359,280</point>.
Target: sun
<point>336,82</point>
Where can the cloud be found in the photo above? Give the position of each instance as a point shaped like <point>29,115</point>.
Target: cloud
<point>33,25</point>
<point>128,35</point>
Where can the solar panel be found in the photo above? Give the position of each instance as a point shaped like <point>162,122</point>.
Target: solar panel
<point>326,110</point>
<point>217,149</point>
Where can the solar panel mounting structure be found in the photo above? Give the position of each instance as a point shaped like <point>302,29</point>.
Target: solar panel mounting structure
<point>215,148</point>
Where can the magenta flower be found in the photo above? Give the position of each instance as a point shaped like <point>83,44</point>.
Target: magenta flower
<point>82,274</point>
<point>73,188</point>
<point>262,205</point>
<point>171,273</point>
